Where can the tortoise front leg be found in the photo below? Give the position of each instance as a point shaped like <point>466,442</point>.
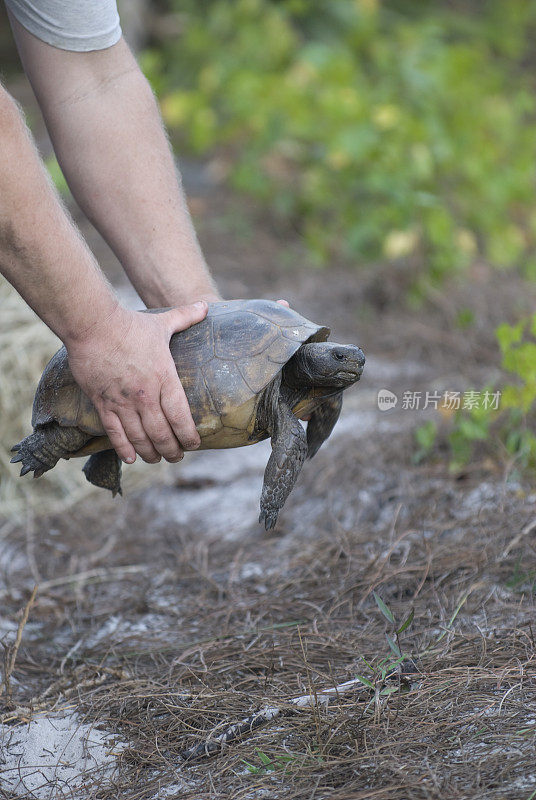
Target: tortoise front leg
<point>322,422</point>
<point>289,449</point>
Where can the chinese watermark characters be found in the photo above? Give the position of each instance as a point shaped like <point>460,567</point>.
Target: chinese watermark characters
<point>440,401</point>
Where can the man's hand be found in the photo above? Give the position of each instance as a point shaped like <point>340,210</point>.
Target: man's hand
<point>125,367</point>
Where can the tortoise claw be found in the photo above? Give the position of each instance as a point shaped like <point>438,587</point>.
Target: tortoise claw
<point>24,470</point>
<point>269,518</point>
<point>15,448</point>
<point>15,458</point>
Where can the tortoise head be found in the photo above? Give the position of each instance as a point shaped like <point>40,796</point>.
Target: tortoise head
<point>325,364</point>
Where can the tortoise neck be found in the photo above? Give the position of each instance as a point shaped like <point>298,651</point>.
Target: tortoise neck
<point>296,372</point>
<point>266,407</point>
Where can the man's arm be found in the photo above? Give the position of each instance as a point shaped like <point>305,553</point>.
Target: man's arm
<point>110,142</point>
<point>121,359</point>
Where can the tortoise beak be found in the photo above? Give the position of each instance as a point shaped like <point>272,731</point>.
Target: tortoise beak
<point>360,358</point>
<point>360,362</point>
<point>349,375</point>
<point>354,363</point>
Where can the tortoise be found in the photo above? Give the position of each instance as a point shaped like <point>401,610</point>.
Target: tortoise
<point>250,369</point>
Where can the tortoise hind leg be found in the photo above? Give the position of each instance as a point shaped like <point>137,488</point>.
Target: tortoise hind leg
<point>104,470</point>
<point>289,449</point>
<point>322,422</point>
<point>43,449</point>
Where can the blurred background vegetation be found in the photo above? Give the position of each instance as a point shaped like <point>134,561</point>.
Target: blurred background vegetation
<point>394,130</point>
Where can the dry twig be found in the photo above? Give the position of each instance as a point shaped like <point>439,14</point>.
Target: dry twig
<point>10,654</point>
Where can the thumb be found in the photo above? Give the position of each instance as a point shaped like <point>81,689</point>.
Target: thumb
<point>182,317</point>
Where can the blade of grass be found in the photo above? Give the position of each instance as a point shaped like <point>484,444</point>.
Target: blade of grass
<point>387,613</point>
<point>407,622</point>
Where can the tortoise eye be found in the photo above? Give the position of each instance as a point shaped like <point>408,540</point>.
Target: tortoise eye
<point>338,355</point>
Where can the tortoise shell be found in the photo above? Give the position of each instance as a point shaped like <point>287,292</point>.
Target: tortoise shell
<point>224,363</point>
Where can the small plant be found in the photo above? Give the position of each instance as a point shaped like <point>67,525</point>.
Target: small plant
<point>513,423</point>
<point>471,426</point>
<point>386,667</point>
<point>268,764</point>
<point>425,438</point>
<point>506,427</point>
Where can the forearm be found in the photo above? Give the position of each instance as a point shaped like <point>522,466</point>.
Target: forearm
<point>127,184</point>
<point>109,139</point>
<point>41,253</point>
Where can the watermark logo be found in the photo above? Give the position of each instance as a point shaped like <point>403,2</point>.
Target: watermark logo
<point>446,402</point>
<point>386,399</point>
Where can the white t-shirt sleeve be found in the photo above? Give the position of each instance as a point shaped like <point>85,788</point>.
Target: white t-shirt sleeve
<point>79,25</point>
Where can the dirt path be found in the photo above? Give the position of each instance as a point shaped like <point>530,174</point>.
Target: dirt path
<point>166,616</point>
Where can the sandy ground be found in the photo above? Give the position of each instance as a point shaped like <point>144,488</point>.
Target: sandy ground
<point>164,617</point>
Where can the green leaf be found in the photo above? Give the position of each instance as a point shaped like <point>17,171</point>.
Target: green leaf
<point>389,690</point>
<point>465,318</point>
<point>364,681</point>
<point>425,435</point>
<point>407,622</point>
<point>251,767</point>
<point>285,759</point>
<point>266,760</point>
<point>393,645</point>
<point>507,335</point>
<point>387,613</point>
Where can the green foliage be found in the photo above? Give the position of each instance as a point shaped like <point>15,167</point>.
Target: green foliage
<point>400,130</point>
<point>268,764</point>
<point>511,426</point>
<point>387,665</point>
<point>465,318</point>
<point>407,622</point>
<point>518,346</point>
<point>425,438</point>
<point>472,425</point>
<point>386,668</point>
<point>386,611</point>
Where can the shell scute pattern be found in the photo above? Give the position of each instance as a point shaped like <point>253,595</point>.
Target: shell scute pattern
<point>206,416</point>
<point>197,339</point>
<point>256,377</point>
<point>217,372</point>
<point>275,313</point>
<point>241,333</point>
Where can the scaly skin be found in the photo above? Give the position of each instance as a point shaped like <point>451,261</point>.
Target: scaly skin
<point>289,450</point>
<point>42,450</point>
<point>322,422</point>
<point>104,470</point>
